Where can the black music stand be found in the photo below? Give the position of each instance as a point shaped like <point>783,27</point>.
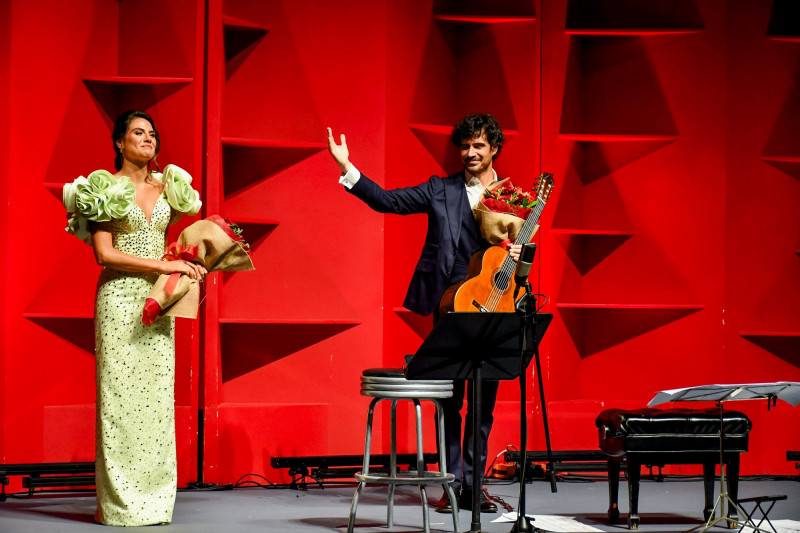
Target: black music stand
<point>477,346</point>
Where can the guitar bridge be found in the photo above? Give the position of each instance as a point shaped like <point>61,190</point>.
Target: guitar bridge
<point>481,308</point>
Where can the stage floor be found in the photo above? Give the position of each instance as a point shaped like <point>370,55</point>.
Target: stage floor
<point>673,505</point>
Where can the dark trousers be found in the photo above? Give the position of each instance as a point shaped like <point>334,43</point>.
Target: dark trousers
<point>458,464</point>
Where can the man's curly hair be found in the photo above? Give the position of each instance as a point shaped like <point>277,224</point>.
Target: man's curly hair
<point>471,126</point>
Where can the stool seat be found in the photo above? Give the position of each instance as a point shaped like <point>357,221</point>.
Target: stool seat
<point>391,384</point>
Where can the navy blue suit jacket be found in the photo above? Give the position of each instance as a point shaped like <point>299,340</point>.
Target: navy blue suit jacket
<point>446,252</point>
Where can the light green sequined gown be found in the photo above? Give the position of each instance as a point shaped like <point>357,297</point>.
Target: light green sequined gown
<point>135,433</point>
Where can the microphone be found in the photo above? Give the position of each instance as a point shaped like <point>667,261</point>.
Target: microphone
<point>524,266</point>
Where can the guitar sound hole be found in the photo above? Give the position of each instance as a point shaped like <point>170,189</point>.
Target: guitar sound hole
<point>500,282</point>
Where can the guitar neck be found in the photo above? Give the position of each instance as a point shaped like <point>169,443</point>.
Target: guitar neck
<point>525,234</point>
<point>530,224</point>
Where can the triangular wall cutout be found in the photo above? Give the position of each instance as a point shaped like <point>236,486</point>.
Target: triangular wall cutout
<point>82,271</point>
<point>245,347</point>
<point>784,20</point>
<point>247,162</point>
<point>254,233</point>
<point>784,345</point>
<point>783,145</point>
<point>77,330</point>
<point>481,19</point>
<point>599,97</point>
<point>597,158</point>
<point>422,325</point>
<point>586,249</point>
<point>437,141</point>
<point>594,328</point>
<point>473,9</point>
<point>614,15</point>
<point>241,38</point>
<point>116,94</point>
<point>787,165</point>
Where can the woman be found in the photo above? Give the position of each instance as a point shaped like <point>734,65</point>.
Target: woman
<point>136,467</point>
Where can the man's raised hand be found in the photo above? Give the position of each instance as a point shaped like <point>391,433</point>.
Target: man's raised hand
<point>339,152</point>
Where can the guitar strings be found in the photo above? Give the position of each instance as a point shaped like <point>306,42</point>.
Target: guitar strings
<point>508,267</point>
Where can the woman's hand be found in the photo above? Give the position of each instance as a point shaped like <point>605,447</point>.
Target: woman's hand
<point>193,270</point>
<point>514,250</point>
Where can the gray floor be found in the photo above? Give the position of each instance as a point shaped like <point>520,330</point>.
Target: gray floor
<point>673,505</point>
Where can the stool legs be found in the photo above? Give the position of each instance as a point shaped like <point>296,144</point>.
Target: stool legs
<point>393,464</point>
<point>443,462</point>
<point>364,467</point>
<point>421,467</point>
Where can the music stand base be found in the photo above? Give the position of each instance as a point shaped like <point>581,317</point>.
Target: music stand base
<point>732,523</point>
<point>523,524</point>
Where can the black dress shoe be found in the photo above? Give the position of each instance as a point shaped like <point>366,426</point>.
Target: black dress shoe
<point>465,501</point>
<point>443,505</point>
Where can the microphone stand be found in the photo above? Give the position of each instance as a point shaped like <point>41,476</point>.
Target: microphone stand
<point>526,309</point>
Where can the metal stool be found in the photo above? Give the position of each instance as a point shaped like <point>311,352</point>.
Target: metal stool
<point>391,384</point>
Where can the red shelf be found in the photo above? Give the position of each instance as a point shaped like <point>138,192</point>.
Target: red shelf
<point>597,327</point>
<point>631,31</point>
<point>629,306</point>
<point>422,325</point>
<point>237,23</point>
<point>610,137</point>
<point>785,38</point>
<point>783,344</point>
<point>595,156</point>
<point>789,164</point>
<point>77,329</point>
<point>781,159</point>
<point>241,37</point>
<point>117,93</point>
<point>57,315</point>
<point>247,162</point>
<point>137,80</point>
<point>274,321</point>
<point>566,231</point>
<point>587,248</point>
<point>436,139</point>
<point>242,341</point>
<point>264,143</point>
<point>483,19</point>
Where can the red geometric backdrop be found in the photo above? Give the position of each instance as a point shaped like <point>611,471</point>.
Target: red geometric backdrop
<point>669,252</point>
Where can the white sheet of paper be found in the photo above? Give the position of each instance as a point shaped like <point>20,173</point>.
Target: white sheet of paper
<point>554,523</point>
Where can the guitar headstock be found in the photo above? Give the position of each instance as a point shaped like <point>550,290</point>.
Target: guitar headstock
<point>544,186</point>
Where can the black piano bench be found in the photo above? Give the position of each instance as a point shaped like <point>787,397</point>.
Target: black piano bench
<point>657,437</point>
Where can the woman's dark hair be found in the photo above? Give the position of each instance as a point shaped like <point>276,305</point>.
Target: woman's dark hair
<point>472,125</point>
<point>121,126</point>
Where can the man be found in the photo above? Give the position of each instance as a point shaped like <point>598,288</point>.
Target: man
<point>452,238</point>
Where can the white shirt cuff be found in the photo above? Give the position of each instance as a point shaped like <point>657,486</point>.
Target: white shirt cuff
<point>351,178</point>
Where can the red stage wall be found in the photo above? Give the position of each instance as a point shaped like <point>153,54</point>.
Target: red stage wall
<point>669,251</point>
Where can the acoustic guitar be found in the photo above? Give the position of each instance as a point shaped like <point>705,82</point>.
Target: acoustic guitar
<point>488,285</point>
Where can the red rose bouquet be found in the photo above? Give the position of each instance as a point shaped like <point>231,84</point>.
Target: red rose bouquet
<point>503,210</point>
<point>215,243</point>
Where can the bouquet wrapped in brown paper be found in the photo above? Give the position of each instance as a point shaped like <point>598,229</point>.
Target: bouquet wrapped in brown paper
<point>212,242</point>
<point>502,212</point>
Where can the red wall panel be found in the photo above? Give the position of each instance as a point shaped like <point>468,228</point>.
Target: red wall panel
<point>62,129</point>
<point>5,137</point>
<point>669,250</point>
